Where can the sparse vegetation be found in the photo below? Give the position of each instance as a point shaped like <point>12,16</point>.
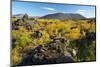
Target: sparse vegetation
<point>36,39</point>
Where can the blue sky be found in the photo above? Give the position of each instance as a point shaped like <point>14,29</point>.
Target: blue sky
<point>41,9</point>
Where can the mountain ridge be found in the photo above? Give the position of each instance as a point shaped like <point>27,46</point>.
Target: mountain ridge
<point>63,16</point>
<point>60,16</point>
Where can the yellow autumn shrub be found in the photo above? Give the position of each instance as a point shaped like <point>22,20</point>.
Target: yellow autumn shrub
<point>16,56</point>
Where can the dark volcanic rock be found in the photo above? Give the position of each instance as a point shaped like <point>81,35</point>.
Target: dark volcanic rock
<point>52,53</point>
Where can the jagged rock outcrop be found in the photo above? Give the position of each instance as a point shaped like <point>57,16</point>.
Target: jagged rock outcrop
<point>52,53</point>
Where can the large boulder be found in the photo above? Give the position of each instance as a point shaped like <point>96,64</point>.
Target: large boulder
<point>52,53</point>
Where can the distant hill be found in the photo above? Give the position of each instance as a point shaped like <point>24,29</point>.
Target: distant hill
<point>60,16</point>
<point>20,16</point>
<point>92,18</point>
<point>63,16</point>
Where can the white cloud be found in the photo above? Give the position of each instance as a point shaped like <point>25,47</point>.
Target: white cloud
<point>48,8</point>
<point>81,11</point>
<point>86,13</point>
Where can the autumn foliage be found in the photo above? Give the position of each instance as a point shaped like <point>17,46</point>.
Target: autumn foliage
<point>29,34</point>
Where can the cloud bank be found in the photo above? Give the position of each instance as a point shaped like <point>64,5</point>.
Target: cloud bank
<point>48,8</point>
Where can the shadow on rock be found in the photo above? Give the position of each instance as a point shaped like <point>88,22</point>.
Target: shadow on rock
<point>52,53</point>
